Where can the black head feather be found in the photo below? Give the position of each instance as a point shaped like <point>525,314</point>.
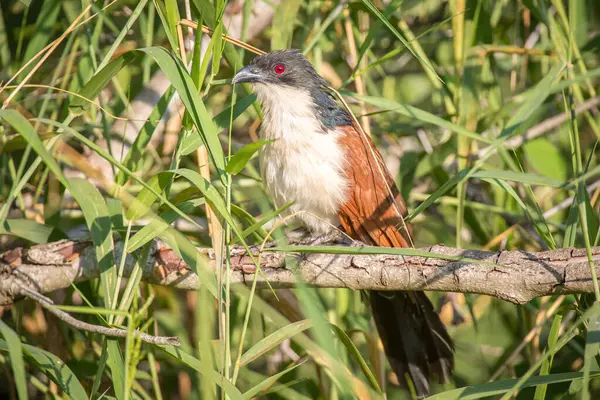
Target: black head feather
<point>291,68</point>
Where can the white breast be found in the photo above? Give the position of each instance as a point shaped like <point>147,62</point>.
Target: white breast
<point>304,164</point>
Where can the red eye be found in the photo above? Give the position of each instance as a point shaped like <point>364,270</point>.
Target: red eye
<point>279,69</point>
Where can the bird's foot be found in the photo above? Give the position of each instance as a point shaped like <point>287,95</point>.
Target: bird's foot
<point>334,236</point>
<point>298,235</point>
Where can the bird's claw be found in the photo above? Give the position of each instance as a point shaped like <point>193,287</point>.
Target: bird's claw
<point>335,236</point>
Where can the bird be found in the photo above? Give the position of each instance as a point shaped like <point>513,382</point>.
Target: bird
<point>317,157</point>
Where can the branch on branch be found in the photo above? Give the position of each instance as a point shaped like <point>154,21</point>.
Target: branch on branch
<point>103,330</point>
<point>515,276</point>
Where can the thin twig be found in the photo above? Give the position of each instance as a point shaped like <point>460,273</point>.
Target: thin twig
<point>547,214</point>
<point>227,38</point>
<point>102,330</point>
<point>568,201</point>
<point>484,50</point>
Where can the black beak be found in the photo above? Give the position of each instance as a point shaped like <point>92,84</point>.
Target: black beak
<point>246,74</point>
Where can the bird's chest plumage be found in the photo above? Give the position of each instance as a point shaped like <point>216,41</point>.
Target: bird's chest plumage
<point>303,164</point>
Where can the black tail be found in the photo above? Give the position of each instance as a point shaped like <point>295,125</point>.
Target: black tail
<point>415,340</point>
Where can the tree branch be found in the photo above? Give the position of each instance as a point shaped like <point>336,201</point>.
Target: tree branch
<point>514,276</point>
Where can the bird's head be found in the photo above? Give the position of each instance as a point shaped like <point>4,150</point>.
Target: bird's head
<point>286,81</point>
<point>282,67</point>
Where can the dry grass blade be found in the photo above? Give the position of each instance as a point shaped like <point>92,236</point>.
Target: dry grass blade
<point>47,51</point>
<point>227,38</point>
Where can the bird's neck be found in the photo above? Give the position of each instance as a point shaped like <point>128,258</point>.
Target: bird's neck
<point>288,110</point>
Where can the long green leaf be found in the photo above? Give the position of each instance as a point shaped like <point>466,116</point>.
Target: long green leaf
<point>147,196</point>
<point>160,224</point>
<point>521,177</point>
<point>124,31</point>
<point>533,101</point>
<point>274,339</point>
<point>27,229</point>
<point>116,364</point>
<point>375,11</point>
<point>536,217</point>
<point>54,368</point>
<point>88,93</point>
<point>356,356</point>
<point>114,162</point>
<point>540,391</point>
<point>205,369</point>
<point>25,129</point>
<point>500,387</point>
<point>100,369</point>
<point>592,345</point>
<point>183,83</point>
<point>258,225</point>
<point>142,139</point>
<point>283,24</point>
<point>237,163</point>
<point>96,215</point>
<point>418,114</point>
<point>192,142</point>
<point>211,194</point>
<point>267,383</point>
<point>44,26</point>
<point>15,351</point>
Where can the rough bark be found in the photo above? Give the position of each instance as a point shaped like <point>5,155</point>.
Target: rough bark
<point>515,276</point>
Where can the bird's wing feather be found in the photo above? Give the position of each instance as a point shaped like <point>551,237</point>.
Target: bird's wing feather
<point>374,211</point>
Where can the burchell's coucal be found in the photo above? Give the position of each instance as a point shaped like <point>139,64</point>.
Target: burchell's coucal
<point>322,162</point>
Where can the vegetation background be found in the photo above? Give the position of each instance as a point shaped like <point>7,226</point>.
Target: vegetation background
<point>486,113</point>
